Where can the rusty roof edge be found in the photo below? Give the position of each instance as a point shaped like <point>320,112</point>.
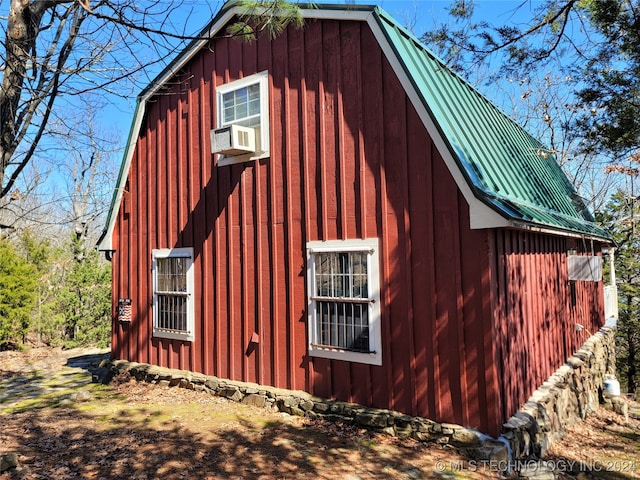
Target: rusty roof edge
<point>555,230</point>
<point>590,228</point>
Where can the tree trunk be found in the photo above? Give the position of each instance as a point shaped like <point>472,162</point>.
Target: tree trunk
<point>631,367</point>
<point>22,25</point>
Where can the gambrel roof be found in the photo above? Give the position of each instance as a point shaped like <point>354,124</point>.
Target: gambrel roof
<point>509,178</point>
<point>504,165</point>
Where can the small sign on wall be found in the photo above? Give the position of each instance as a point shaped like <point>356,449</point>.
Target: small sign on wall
<point>124,309</point>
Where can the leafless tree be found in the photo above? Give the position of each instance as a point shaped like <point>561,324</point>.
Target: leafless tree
<point>56,51</point>
<point>578,64</point>
<point>68,186</point>
<point>63,49</point>
<point>546,107</point>
<point>88,174</point>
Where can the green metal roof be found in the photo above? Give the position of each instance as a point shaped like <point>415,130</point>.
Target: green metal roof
<point>507,168</point>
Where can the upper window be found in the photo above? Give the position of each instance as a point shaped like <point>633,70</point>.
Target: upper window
<point>173,293</point>
<point>242,106</point>
<point>245,103</point>
<point>344,304</point>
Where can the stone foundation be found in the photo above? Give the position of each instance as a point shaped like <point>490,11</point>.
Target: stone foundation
<point>567,397</point>
<point>470,441</point>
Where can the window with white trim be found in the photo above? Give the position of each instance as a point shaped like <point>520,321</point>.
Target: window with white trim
<point>173,293</point>
<point>245,102</point>
<point>344,300</point>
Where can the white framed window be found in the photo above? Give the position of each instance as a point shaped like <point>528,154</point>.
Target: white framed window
<point>173,293</point>
<point>344,300</point>
<point>245,103</point>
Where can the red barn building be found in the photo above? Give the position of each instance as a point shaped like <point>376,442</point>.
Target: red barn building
<point>335,211</point>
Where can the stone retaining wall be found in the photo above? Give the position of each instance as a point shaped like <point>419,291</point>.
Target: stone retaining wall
<point>470,441</point>
<point>565,398</point>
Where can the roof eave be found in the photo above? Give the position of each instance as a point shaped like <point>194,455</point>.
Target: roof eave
<point>549,229</point>
<point>232,9</point>
<point>484,211</point>
<point>105,242</point>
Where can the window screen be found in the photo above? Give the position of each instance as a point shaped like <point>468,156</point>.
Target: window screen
<point>172,293</point>
<point>342,305</point>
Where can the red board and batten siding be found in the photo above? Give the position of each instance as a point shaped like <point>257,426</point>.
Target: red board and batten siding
<point>350,158</point>
<point>535,316</point>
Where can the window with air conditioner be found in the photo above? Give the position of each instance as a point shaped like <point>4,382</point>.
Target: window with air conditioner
<point>242,132</point>
<point>344,300</point>
<point>173,314</point>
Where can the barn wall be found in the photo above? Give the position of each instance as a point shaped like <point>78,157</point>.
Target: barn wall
<point>537,309</point>
<point>349,159</point>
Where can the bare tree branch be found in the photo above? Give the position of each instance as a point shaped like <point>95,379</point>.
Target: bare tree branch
<point>70,48</point>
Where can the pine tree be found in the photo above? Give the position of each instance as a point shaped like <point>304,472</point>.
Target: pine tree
<point>84,301</point>
<point>268,16</point>
<point>621,218</point>
<point>595,41</point>
<point>18,282</point>
<point>47,325</point>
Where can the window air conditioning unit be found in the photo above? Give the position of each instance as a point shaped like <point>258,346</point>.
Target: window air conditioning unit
<point>233,140</point>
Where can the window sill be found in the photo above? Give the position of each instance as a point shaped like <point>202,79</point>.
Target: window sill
<point>185,337</point>
<point>224,161</point>
<point>374,358</point>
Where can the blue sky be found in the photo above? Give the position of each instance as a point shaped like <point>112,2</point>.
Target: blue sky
<point>116,113</point>
<point>417,15</point>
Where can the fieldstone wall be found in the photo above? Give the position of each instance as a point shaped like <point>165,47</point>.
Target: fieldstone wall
<point>567,397</point>
<point>471,442</point>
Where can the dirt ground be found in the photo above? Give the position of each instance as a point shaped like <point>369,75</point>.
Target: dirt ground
<point>62,426</point>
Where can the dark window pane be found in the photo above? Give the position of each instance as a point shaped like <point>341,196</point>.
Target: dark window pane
<point>171,284</point>
<point>343,325</point>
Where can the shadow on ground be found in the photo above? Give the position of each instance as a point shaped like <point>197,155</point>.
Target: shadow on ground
<point>88,362</point>
<point>170,434</point>
<point>84,446</point>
